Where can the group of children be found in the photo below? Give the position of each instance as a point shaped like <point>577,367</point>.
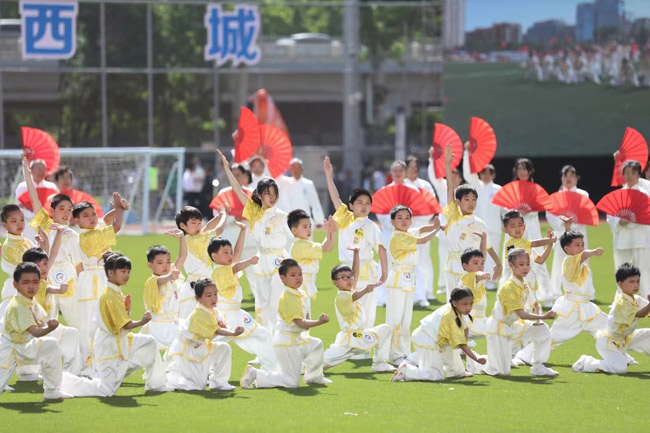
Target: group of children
<point>191,318</point>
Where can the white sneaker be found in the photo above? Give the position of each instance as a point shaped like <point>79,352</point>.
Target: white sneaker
<point>442,291</point>
<point>423,303</point>
<point>8,389</point>
<point>165,388</point>
<point>399,375</point>
<point>248,379</point>
<point>382,367</point>
<point>542,370</point>
<point>255,361</point>
<point>225,387</point>
<point>398,361</point>
<point>323,381</point>
<point>34,377</point>
<point>55,394</point>
<point>579,365</point>
<point>467,374</point>
<point>518,362</point>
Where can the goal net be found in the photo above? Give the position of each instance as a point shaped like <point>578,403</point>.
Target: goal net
<point>148,177</point>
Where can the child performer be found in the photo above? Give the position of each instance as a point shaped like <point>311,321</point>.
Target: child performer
<point>401,279</point>
<point>271,232</point>
<point>463,227</point>
<point>63,266</point>
<point>490,213</point>
<point>473,262</point>
<point>254,339</point>
<point>356,229</point>
<point>161,291</point>
<point>195,355</point>
<point>116,350</point>
<point>293,347</point>
<point>353,339</point>
<point>620,334</point>
<point>307,253</point>
<point>13,248</point>
<point>510,322</point>
<point>25,339</point>
<point>436,339</point>
<point>197,263</point>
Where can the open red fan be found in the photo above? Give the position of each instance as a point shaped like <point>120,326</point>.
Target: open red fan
<point>627,204</point>
<point>574,205</point>
<point>482,144</point>
<point>43,194</point>
<point>228,200</point>
<point>276,148</point>
<point>39,144</point>
<point>633,147</point>
<point>247,137</point>
<point>421,202</point>
<point>442,136</point>
<point>523,196</point>
<point>77,197</point>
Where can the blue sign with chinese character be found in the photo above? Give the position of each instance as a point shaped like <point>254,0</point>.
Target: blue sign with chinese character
<point>232,35</point>
<point>49,29</point>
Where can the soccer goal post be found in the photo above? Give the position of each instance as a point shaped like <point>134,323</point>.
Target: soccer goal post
<point>149,177</point>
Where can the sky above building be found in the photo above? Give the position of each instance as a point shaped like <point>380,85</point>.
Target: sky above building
<point>484,13</point>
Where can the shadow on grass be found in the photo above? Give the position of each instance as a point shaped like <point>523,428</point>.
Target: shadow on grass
<point>31,407</point>
<point>215,395</point>
<point>464,381</point>
<point>367,375</point>
<point>121,401</point>
<point>637,375</point>
<point>304,391</point>
<point>537,380</point>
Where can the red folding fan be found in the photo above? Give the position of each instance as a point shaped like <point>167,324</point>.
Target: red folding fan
<point>523,196</point>
<point>228,200</point>
<point>39,144</point>
<point>276,148</point>
<point>43,194</point>
<point>421,202</point>
<point>442,136</point>
<point>574,205</point>
<point>628,204</point>
<point>77,197</point>
<point>482,144</point>
<point>633,147</point>
<point>247,137</point>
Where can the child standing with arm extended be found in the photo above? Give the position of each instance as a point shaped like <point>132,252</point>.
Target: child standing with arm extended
<point>13,248</point>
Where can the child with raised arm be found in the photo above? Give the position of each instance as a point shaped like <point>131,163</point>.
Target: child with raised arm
<point>63,265</point>
<point>293,347</point>
<point>161,291</point>
<point>401,279</point>
<point>356,229</point>
<point>307,253</point>
<point>353,339</point>
<point>620,333</point>
<point>473,262</point>
<point>255,338</point>
<point>196,355</point>
<point>271,232</point>
<point>13,248</point>
<point>436,340</point>
<point>510,322</point>
<point>197,263</point>
<point>25,339</point>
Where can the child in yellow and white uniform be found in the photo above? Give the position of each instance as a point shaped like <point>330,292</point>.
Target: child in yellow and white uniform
<point>13,248</point>
<point>270,231</point>
<point>401,279</point>
<point>197,263</point>
<point>161,291</point>
<point>307,253</point>
<point>510,322</point>
<point>196,355</point>
<point>473,262</point>
<point>356,229</point>
<point>94,243</point>
<point>353,338</point>
<point>255,339</point>
<point>436,340</point>
<point>116,350</point>
<point>620,334</point>
<point>293,347</point>
<point>26,340</point>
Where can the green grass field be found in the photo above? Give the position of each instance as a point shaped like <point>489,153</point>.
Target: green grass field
<point>359,400</point>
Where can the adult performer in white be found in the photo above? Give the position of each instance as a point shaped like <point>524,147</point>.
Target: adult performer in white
<point>424,275</point>
<point>562,223</point>
<point>298,192</point>
<point>38,168</point>
<point>483,183</point>
<point>258,170</point>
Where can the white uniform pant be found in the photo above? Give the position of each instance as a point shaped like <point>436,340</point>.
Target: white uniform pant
<point>543,278</point>
<point>614,358</point>
<point>187,298</point>
<point>442,260</point>
<point>68,306</point>
<point>86,329</point>
<point>452,281</point>
<point>190,375</point>
<point>494,241</point>
<point>338,353</point>
<point>424,274</point>
<point>290,360</point>
<point>434,364</point>
<point>399,311</point>
<point>499,347</point>
<point>269,290</point>
<point>68,339</point>
<point>369,304</point>
<point>143,354</point>
<point>43,351</point>
<point>639,257</point>
<point>258,343</point>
